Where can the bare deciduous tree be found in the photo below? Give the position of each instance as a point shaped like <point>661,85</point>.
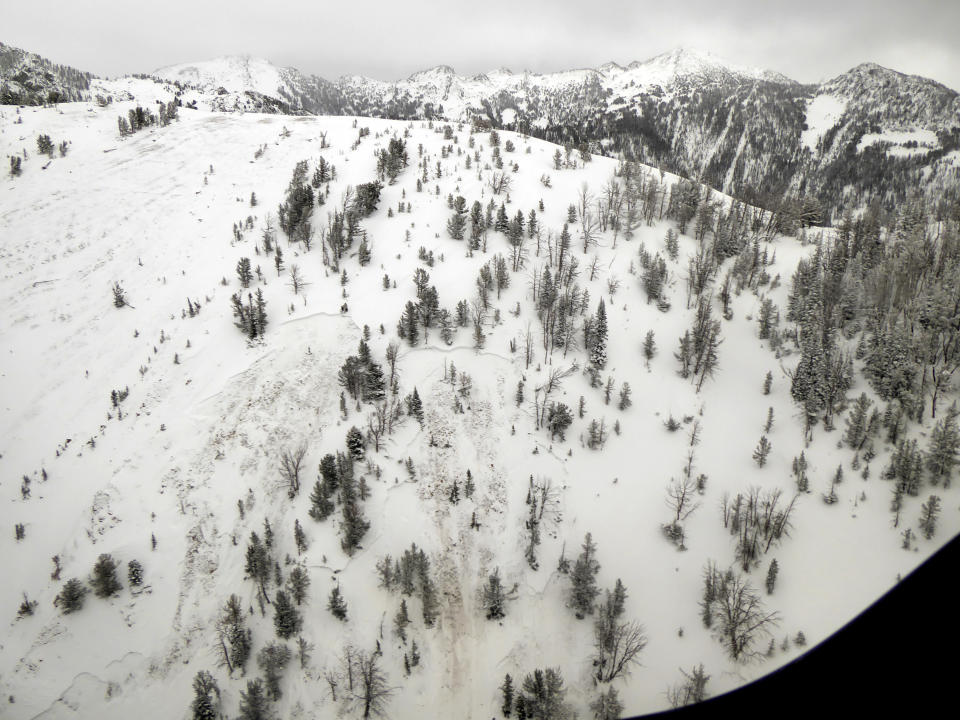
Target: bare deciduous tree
<point>500,182</point>
<point>689,691</point>
<point>681,496</point>
<point>736,612</point>
<point>616,646</point>
<point>369,691</point>
<point>554,380</point>
<point>588,222</point>
<point>297,281</point>
<point>377,423</point>
<point>290,463</point>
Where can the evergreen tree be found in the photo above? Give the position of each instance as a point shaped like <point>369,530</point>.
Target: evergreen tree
<point>135,573</point>
<point>457,223</point>
<point>374,385</point>
<point>944,447</point>
<point>767,383</point>
<point>428,593</point>
<point>45,145</point>
<point>766,318</point>
<point>800,473</point>
<point>253,703</point>
<point>287,620</point>
<point>119,296</point>
<point>415,406</point>
<point>336,604</point>
<point>299,538</point>
<point>502,223</point>
<point>544,695</point>
<point>928,518</point>
<point>409,326</point>
<point>617,600</point>
<point>598,352</point>
<point>244,273</point>
<point>258,563</point>
<point>272,659</point>
<point>559,419</point>
<point>401,620</point>
<point>367,198</point>
<point>352,376</point>
<point>354,525</point>
<point>649,347</point>
<point>685,354</point>
<point>356,444</point>
<point>260,313</point>
<point>328,469</point>
<point>583,577</point>
<point>507,689</point>
<point>857,422</point>
<point>206,697</point>
<point>494,597</point>
<point>298,583</point>
<point>772,576</point>
<point>321,506</point>
<point>104,580</point>
<point>607,706</point>
<point>363,251</point>
<point>762,451</point>
<point>235,640</point>
<point>70,598</point>
<point>672,244</point>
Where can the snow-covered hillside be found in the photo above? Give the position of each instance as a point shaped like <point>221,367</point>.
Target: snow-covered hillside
<point>188,466</point>
<point>750,132</point>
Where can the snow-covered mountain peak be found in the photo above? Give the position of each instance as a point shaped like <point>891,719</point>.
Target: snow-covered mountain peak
<point>683,62</point>
<point>871,76</point>
<point>234,72</point>
<point>611,66</point>
<point>438,72</point>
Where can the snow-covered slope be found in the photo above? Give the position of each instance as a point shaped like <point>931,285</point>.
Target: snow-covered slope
<point>234,72</point>
<point>748,131</point>
<point>164,212</point>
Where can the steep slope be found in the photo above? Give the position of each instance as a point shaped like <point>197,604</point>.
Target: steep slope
<point>28,79</point>
<point>292,91</point>
<point>881,134</point>
<point>193,462</point>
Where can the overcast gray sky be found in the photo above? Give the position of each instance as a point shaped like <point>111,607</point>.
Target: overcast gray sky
<point>808,40</point>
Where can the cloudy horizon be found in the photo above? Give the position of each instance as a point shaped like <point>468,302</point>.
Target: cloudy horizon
<point>809,44</point>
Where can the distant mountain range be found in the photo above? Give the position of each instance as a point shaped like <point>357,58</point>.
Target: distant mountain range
<point>870,134</point>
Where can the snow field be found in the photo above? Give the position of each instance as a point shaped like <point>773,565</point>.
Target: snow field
<point>200,435</point>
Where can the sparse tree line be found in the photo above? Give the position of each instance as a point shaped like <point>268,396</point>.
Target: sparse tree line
<point>103,581</point>
<point>883,294</point>
<point>45,146</point>
<point>140,117</point>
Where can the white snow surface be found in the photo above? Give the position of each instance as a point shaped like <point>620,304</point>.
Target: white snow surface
<point>233,72</point>
<point>823,112</point>
<point>208,414</point>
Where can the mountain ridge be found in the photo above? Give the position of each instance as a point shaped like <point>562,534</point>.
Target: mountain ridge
<point>870,134</point>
